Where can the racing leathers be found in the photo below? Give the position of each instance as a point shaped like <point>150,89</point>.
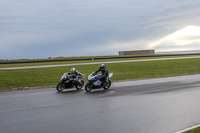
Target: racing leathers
<point>104,74</point>
<point>75,73</point>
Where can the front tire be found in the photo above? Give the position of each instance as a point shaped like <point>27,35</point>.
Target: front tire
<point>107,86</point>
<point>88,87</point>
<point>60,87</point>
<point>79,86</point>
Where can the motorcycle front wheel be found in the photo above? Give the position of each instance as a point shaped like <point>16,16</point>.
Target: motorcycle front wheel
<point>108,84</point>
<point>60,87</point>
<point>88,87</point>
<point>79,86</point>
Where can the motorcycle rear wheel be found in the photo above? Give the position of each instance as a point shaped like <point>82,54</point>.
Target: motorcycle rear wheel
<point>60,87</point>
<point>107,86</point>
<point>78,87</point>
<point>88,87</point>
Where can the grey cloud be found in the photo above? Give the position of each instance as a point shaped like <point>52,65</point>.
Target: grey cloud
<point>59,25</point>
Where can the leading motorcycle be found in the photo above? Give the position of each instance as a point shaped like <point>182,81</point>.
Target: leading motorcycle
<point>95,83</point>
<point>69,81</point>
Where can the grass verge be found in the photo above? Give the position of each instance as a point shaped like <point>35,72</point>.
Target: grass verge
<point>122,71</point>
<point>83,61</point>
<point>196,130</point>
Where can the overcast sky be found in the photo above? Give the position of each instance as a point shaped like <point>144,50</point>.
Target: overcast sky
<point>34,29</point>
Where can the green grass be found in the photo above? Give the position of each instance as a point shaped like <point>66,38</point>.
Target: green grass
<point>59,58</point>
<point>84,61</point>
<point>122,71</point>
<point>196,130</point>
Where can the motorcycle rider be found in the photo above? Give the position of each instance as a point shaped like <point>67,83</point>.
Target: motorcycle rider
<point>74,72</point>
<point>104,72</point>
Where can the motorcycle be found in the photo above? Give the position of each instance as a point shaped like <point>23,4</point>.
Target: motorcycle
<point>95,83</point>
<point>70,81</point>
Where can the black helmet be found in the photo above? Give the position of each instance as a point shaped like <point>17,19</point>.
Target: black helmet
<point>102,66</point>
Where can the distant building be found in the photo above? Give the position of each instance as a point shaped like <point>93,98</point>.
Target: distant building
<point>137,52</point>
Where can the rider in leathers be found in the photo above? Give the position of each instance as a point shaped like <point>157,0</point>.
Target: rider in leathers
<point>104,72</point>
<point>74,72</point>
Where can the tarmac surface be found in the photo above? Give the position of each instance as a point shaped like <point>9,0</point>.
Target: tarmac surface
<point>163,105</point>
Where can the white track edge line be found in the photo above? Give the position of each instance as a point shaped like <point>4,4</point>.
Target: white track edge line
<point>187,129</point>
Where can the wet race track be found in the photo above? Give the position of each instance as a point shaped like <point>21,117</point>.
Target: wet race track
<point>163,105</point>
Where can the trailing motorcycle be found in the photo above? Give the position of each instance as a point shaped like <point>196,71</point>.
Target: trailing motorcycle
<point>95,83</point>
<point>69,81</point>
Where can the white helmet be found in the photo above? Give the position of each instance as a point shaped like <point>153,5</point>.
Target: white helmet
<point>73,70</point>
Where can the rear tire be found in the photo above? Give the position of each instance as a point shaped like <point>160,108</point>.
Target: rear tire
<point>107,86</point>
<point>60,87</point>
<point>88,87</point>
<point>78,87</point>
